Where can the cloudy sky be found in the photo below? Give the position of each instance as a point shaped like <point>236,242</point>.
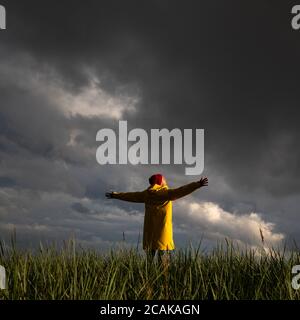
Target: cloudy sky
<point>70,68</point>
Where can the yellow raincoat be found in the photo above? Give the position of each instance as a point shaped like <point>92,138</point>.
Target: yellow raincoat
<point>158,230</point>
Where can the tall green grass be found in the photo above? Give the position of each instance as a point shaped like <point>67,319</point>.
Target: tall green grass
<point>71,273</point>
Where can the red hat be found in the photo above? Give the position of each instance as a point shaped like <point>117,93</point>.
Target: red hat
<point>156,179</point>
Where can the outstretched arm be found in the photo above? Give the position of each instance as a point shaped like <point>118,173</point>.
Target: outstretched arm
<point>177,193</point>
<point>183,191</point>
<point>127,196</point>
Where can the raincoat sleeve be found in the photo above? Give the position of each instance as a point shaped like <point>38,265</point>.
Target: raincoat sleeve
<point>130,196</point>
<point>174,194</point>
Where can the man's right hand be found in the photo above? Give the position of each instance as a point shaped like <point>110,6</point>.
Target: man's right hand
<point>109,195</point>
<point>203,182</point>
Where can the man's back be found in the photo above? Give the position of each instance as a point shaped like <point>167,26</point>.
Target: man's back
<point>158,230</point>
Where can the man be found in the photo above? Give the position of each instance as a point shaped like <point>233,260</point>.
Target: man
<point>158,230</point>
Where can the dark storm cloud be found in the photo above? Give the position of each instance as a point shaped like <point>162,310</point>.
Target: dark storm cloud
<point>7,182</point>
<point>77,206</point>
<point>228,67</point>
<point>231,67</point>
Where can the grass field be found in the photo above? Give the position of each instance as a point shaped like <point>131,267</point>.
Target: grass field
<point>225,273</point>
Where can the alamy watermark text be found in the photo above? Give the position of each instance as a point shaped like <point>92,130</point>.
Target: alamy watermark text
<point>2,17</point>
<point>160,140</point>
